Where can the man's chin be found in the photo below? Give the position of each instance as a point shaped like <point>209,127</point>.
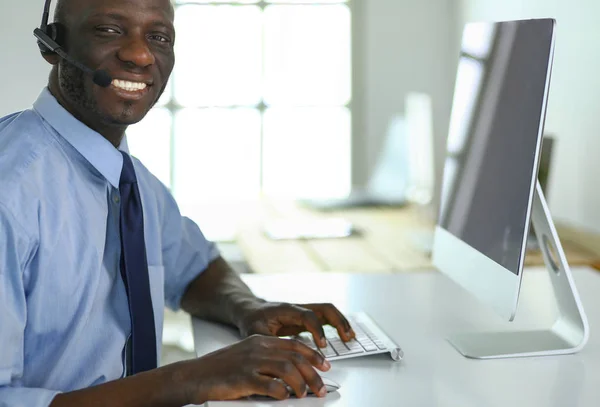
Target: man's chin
<point>125,121</point>
<point>126,117</point>
<point>119,112</point>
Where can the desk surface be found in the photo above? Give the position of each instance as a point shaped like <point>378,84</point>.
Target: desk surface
<point>419,310</point>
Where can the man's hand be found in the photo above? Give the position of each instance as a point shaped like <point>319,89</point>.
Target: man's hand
<point>219,294</point>
<point>282,319</point>
<point>259,365</point>
<point>250,367</point>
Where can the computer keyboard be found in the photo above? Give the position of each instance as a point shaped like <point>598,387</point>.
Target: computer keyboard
<point>365,342</point>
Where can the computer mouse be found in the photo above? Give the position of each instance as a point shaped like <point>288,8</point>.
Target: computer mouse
<point>330,385</point>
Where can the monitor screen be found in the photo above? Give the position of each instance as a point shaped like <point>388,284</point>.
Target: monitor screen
<point>495,136</point>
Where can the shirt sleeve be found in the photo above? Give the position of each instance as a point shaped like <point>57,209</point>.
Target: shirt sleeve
<point>186,253</point>
<point>15,251</point>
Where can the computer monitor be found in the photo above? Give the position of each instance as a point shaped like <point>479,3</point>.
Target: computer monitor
<point>490,176</point>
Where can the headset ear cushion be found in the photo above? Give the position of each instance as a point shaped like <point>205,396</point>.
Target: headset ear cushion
<point>56,32</point>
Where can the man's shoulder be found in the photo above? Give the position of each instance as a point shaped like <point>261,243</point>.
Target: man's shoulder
<point>24,139</point>
<point>25,121</point>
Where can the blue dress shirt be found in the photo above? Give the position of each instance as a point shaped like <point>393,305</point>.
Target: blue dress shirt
<point>64,317</point>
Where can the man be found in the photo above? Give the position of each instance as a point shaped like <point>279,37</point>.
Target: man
<point>84,277</point>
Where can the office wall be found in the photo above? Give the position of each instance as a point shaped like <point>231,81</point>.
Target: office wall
<point>574,99</point>
<point>23,71</point>
<point>410,46</point>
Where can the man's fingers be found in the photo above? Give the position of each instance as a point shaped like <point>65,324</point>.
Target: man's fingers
<point>311,378</point>
<point>336,319</point>
<point>312,356</point>
<point>291,330</point>
<point>260,328</point>
<point>313,325</point>
<point>295,370</point>
<point>296,319</point>
<point>268,386</point>
<point>330,315</point>
<point>281,367</point>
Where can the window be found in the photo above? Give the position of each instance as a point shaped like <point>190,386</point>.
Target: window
<point>258,103</point>
<point>477,46</point>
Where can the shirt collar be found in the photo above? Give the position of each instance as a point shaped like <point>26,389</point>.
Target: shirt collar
<point>98,151</point>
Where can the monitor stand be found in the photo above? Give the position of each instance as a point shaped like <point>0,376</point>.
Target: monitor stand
<point>570,331</point>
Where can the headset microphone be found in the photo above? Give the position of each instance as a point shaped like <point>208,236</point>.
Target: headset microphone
<point>48,36</point>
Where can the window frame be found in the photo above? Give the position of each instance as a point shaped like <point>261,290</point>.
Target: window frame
<point>173,107</point>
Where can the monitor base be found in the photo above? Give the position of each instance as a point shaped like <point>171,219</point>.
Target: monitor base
<point>495,345</point>
<point>570,332</point>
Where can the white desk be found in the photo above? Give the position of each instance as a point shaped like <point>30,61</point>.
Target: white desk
<point>418,310</point>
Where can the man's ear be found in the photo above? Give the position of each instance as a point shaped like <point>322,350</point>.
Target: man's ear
<point>51,57</point>
<point>57,33</point>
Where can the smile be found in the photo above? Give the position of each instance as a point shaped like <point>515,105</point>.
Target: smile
<point>129,86</point>
<point>129,90</point>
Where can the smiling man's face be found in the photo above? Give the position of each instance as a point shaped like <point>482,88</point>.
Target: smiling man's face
<point>133,41</point>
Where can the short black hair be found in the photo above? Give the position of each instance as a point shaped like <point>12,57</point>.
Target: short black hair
<point>61,11</point>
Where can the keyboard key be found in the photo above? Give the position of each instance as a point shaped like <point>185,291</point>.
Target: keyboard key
<point>369,347</point>
<point>328,351</point>
<point>354,345</point>
<point>364,342</point>
<point>336,341</point>
<point>368,344</point>
<point>339,346</point>
<point>367,332</point>
<point>350,352</point>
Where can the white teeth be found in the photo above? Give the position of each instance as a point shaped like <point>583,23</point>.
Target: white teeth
<point>129,86</point>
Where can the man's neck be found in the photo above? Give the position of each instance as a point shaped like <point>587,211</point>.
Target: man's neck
<point>113,133</point>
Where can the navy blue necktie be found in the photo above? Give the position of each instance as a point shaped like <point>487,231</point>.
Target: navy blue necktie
<point>134,271</point>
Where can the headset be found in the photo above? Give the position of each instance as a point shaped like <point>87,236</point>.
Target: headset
<point>50,36</point>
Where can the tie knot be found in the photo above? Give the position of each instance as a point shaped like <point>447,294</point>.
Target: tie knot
<point>127,173</point>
